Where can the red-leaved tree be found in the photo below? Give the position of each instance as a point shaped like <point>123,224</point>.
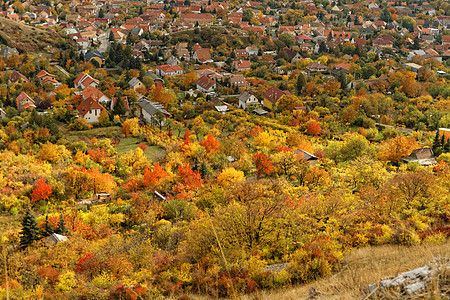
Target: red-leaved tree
<point>263,164</point>
<point>314,128</point>
<point>42,191</point>
<point>211,144</point>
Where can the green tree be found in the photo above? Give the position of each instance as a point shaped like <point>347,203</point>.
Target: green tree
<point>30,230</point>
<point>437,143</point>
<point>61,229</point>
<point>47,229</point>
<point>119,107</point>
<point>301,82</point>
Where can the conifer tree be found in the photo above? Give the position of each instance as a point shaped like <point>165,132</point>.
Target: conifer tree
<point>436,143</point>
<point>204,170</point>
<point>119,107</point>
<point>47,229</point>
<point>301,82</point>
<point>61,229</point>
<point>30,230</point>
<point>447,146</point>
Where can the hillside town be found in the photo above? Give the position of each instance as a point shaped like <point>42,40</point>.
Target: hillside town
<point>180,149</point>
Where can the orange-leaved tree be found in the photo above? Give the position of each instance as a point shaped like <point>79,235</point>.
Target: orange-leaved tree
<point>42,191</point>
<point>263,164</point>
<point>396,148</point>
<point>314,128</point>
<point>211,144</point>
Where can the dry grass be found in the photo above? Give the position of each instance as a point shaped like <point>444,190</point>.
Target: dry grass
<point>27,38</point>
<point>359,269</point>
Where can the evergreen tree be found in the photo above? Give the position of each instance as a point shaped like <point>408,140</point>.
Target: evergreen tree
<point>301,82</point>
<point>47,228</point>
<point>443,140</point>
<point>447,146</point>
<point>61,229</point>
<point>437,143</point>
<point>204,170</point>
<point>342,78</point>
<point>30,230</point>
<point>119,106</point>
<point>141,11</point>
<point>101,13</point>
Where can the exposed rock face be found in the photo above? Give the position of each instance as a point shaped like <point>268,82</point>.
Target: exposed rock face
<point>433,279</point>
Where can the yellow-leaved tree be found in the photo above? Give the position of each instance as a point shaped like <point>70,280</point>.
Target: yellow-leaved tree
<point>396,148</point>
<point>229,176</point>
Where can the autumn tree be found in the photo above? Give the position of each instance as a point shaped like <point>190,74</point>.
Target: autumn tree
<point>211,144</point>
<point>263,164</point>
<point>131,127</point>
<point>397,148</point>
<point>42,191</point>
<point>189,79</point>
<point>314,128</point>
<point>229,176</point>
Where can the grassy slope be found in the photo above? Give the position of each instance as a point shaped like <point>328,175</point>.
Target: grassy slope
<point>363,267</point>
<point>359,269</point>
<point>27,38</point>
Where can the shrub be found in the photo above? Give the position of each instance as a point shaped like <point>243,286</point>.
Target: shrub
<point>80,124</point>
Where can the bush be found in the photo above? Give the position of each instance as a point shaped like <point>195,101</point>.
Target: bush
<point>80,124</point>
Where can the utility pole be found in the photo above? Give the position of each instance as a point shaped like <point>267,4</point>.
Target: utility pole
<point>6,271</point>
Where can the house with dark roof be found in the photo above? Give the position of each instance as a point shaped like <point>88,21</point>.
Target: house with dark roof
<point>90,110</point>
<point>135,84</point>
<point>153,113</point>
<point>8,52</point>
<point>205,84</point>
<point>272,95</point>
<point>42,104</point>
<point>245,98</point>
<point>17,76</point>
<point>95,56</point>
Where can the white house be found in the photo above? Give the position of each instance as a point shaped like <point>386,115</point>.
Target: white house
<point>168,70</point>
<point>205,84</point>
<point>153,112</point>
<point>247,99</point>
<point>90,110</point>
<point>84,80</point>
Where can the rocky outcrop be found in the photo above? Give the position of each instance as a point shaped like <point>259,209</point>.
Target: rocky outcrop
<point>433,280</point>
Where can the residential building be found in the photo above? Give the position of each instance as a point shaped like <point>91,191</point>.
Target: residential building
<point>90,110</point>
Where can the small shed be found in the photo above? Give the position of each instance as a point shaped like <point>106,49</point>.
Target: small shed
<point>260,112</point>
<point>424,156</point>
<point>311,159</point>
<point>54,239</point>
<point>103,196</point>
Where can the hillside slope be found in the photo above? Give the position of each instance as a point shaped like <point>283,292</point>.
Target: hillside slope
<point>27,38</point>
<point>361,268</point>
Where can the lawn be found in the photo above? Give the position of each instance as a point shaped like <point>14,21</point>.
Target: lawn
<point>153,153</point>
<point>101,132</point>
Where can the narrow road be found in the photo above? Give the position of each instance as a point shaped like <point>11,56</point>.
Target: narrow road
<point>104,43</point>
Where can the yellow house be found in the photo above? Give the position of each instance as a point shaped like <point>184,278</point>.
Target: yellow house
<point>272,95</point>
